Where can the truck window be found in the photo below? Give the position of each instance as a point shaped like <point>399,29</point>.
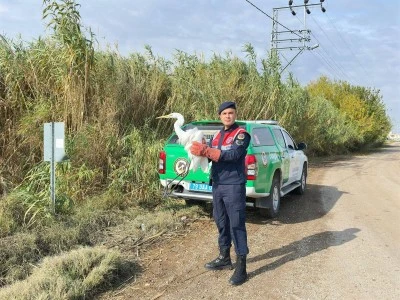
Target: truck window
<point>262,137</point>
<point>289,141</point>
<point>279,137</point>
<point>208,130</point>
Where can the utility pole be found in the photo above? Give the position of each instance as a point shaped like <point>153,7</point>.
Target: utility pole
<point>283,40</point>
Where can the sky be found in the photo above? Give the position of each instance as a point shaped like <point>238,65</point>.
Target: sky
<point>359,40</point>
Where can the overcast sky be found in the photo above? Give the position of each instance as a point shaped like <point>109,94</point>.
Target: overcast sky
<point>359,40</point>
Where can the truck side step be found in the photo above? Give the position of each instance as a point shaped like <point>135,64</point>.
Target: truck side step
<point>289,188</point>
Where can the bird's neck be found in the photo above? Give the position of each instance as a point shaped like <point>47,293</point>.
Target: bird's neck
<point>178,129</point>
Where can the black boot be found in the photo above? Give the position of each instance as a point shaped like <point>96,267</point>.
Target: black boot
<point>223,261</point>
<point>240,274</point>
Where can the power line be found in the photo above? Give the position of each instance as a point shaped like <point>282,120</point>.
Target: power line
<point>326,58</point>
<point>323,31</point>
<point>320,58</point>
<point>291,31</point>
<point>337,51</point>
<point>355,80</point>
<point>323,59</point>
<point>335,66</point>
<point>327,63</point>
<point>348,46</point>
<point>332,60</point>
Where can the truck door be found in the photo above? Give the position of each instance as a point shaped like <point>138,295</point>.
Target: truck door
<point>294,170</point>
<point>266,152</point>
<point>284,155</point>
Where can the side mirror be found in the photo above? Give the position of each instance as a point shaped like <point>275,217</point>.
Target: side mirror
<point>302,146</point>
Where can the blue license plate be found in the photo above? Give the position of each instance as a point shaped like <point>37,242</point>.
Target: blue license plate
<point>200,187</point>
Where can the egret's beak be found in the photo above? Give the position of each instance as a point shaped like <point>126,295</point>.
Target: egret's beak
<point>164,117</point>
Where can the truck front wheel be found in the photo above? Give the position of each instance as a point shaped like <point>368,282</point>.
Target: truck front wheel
<point>303,181</point>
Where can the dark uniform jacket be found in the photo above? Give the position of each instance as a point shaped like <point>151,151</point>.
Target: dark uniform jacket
<point>233,143</point>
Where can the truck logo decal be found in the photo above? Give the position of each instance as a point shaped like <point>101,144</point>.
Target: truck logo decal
<point>264,159</point>
<point>181,167</point>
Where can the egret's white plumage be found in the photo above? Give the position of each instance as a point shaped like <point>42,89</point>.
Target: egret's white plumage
<point>186,138</point>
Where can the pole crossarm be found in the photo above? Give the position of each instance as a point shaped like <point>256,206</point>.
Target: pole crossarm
<point>295,6</point>
<point>291,48</point>
<point>299,31</point>
<point>293,40</point>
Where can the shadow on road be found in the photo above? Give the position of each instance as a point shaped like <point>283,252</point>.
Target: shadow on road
<point>316,202</point>
<point>302,248</point>
<point>389,147</point>
<point>345,159</point>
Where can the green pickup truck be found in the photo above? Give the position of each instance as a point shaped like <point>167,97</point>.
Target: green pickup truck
<point>275,166</point>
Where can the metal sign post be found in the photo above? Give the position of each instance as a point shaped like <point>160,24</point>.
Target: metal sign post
<point>54,151</point>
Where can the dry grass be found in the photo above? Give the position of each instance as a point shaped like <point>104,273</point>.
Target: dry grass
<point>142,228</point>
<point>129,231</point>
<point>16,254</point>
<point>78,274</point>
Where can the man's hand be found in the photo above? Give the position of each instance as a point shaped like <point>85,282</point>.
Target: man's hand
<point>198,149</point>
<point>202,150</point>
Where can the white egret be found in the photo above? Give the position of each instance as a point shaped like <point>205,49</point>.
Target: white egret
<point>185,138</point>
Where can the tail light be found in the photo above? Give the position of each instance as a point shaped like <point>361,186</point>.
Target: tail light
<point>161,162</point>
<point>251,167</point>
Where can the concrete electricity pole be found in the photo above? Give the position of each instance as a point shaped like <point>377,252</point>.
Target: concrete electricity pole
<point>282,40</point>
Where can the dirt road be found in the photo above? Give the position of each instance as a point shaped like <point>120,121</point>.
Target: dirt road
<point>340,240</point>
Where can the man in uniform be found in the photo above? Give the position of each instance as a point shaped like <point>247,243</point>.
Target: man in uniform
<point>227,150</point>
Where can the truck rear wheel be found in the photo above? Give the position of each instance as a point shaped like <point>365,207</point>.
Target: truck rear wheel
<point>273,200</point>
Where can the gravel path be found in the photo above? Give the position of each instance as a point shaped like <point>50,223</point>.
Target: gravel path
<point>340,240</point>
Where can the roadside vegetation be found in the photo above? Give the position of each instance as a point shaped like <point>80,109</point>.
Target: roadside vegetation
<point>108,190</point>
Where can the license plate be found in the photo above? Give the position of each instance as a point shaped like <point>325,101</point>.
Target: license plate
<point>200,187</point>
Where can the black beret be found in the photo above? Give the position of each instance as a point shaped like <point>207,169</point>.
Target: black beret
<point>225,105</point>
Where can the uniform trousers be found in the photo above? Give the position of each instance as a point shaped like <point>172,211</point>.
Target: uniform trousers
<point>229,211</point>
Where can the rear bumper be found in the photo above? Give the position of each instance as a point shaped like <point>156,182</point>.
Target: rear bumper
<point>192,196</point>
<point>182,191</point>
<point>201,197</point>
